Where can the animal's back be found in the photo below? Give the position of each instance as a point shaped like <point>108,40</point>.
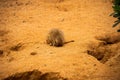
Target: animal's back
<point>55,37</point>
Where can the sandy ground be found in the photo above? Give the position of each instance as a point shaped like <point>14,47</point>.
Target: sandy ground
<point>25,24</point>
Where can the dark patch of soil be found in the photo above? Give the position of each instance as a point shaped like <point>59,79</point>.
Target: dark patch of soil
<point>3,32</point>
<point>16,47</point>
<point>52,76</point>
<point>1,52</point>
<point>35,75</point>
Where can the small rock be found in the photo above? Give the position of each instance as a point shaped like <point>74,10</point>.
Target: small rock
<point>23,21</point>
<point>45,65</point>
<point>110,65</point>
<point>1,51</point>
<point>94,65</point>
<point>33,53</point>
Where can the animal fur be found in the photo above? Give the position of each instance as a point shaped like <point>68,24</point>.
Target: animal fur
<point>56,38</point>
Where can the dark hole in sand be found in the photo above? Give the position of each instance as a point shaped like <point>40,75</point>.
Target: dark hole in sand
<point>106,48</point>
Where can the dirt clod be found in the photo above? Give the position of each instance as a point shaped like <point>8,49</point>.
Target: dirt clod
<point>10,59</point>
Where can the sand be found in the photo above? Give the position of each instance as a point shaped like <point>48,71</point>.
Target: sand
<point>24,25</point>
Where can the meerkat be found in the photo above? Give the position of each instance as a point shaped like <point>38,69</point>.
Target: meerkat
<point>56,38</point>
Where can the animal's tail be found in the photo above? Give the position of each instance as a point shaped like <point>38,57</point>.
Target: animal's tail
<point>69,41</point>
